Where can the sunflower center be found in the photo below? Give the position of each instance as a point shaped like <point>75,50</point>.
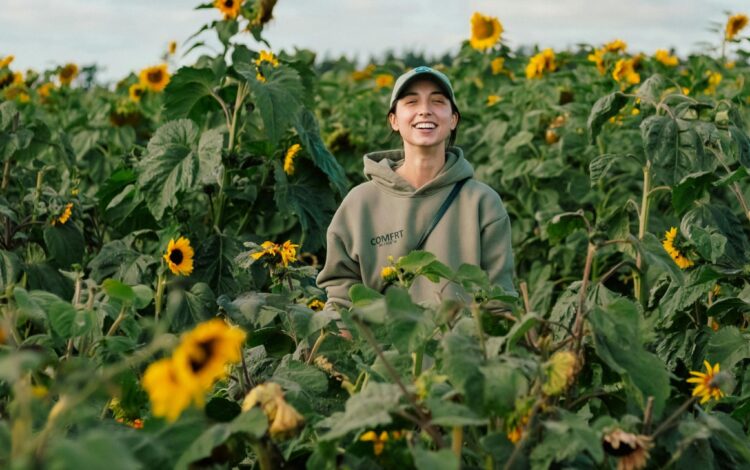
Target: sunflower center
<point>155,76</point>
<point>206,349</point>
<point>228,3</point>
<point>621,451</point>
<point>483,30</point>
<point>176,256</point>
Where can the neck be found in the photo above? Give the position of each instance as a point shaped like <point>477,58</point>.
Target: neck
<point>421,164</point>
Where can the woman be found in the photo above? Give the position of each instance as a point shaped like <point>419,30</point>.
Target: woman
<point>387,215</point>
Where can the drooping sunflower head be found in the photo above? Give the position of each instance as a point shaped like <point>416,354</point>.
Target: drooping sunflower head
<point>154,78</point>
<point>179,257</point>
<point>63,218</point>
<point>389,274</point>
<point>264,59</point>
<point>735,24</point>
<point>204,353</point>
<point>674,252</point>
<point>136,92</point>
<point>625,73</point>
<point>631,450</point>
<point>485,31</point>
<point>230,8</point>
<point>291,153</point>
<point>708,385</point>
<point>68,73</point>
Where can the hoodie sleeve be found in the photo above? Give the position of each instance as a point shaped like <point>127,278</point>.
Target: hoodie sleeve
<point>339,273</point>
<point>497,254</point>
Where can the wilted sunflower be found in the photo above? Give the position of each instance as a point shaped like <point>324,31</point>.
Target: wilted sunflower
<point>5,61</point>
<point>291,153</point>
<point>136,91</point>
<point>169,396</point>
<point>179,257</point>
<point>559,370</point>
<point>230,8</point>
<point>264,57</point>
<point>540,63</point>
<point>663,56</point>
<point>283,417</point>
<point>154,78</point>
<point>625,71</point>
<point>735,24</point>
<point>383,80</point>
<point>68,73</point>
<point>485,31</point>
<point>708,383</point>
<point>631,450</point>
<point>681,260</point>
<point>204,353</point>
<point>65,216</point>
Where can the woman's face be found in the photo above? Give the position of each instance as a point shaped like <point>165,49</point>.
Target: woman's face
<point>423,115</point>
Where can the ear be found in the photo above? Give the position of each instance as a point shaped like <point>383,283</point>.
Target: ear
<point>454,121</point>
<point>394,122</point>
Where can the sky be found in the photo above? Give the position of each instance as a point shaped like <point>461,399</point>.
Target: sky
<point>126,35</point>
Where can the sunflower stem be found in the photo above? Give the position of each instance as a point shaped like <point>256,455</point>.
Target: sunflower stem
<point>118,320</point>
<point>668,422</point>
<point>480,331</point>
<point>316,346</point>
<point>37,194</point>
<point>160,283</point>
<point>639,282</point>
<point>457,442</point>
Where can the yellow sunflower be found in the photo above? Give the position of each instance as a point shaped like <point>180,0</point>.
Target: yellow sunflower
<point>663,56</point>
<point>65,216</point>
<point>288,252</point>
<point>179,257</point>
<point>597,57</point>
<point>624,71</point>
<point>497,65</point>
<point>45,90</point>
<point>291,153</point>
<point>168,395</point>
<point>269,248</point>
<point>618,45</point>
<point>631,450</point>
<point>154,78</point>
<point>6,61</point>
<point>68,73</point>
<point>136,91</point>
<point>708,383</point>
<point>316,305</point>
<point>264,57</point>
<point>681,260</point>
<point>493,99</point>
<point>204,353</point>
<point>365,73</point>
<point>485,31</point>
<point>383,80</point>
<point>230,8</point>
<point>714,78</point>
<point>540,63</point>
<point>388,274</point>
<point>735,24</point>
<point>378,440</point>
<point>516,427</point>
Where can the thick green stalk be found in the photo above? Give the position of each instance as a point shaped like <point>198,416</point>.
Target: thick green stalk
<point>639,282</point>
<point>221,200</point>
<point>160,283</point>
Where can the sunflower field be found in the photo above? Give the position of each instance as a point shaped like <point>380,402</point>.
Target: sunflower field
<point>160,237</point>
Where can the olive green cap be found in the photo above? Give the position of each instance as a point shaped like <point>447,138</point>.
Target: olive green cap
<point>422,72</point>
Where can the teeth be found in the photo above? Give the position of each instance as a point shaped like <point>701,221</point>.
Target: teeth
<point>425,125</point>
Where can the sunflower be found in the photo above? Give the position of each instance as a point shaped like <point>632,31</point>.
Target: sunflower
<point>708,383</point>
<point>618,45</point>
<point>714,78</point>
<point>65,216</point>
<point>291,153</point>
<point>378,440</point>
<point>45,90</point>
<point>154,78</point>
<point>316,305</point>
<point>365,73</point>
<point>383,80</point>
<point>68,73</point>
<point>631,450</point>
<point>735,24</point>
<point>663,56</point>
<point>516,427</point>
<point>625,71</point>
<point>288,252</point>
<point>5,61</point>
<point>230,8</point>
<point>388,274</point>
<point>485,31</point>
<point>540,63</point>
<point>264,57</point>
<point>168,395</point>
<point>203,354</point>
<point>493,99</point>
<point>681,260</point>
<point>559,370</point>
<point>179,257</point>
<point>136,91</point>
<point>497,65</point>
<point>269,248</point>
<point>283,417</point>
<point>597,57</point>
<point>18,92</point>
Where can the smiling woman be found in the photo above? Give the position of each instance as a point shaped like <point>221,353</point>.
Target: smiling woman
<point>414,200</point>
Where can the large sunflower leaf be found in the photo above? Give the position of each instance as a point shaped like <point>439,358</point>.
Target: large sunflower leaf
<point>65,245</point>
<point>170,165</point>
<point>309,134</point>
<point>279,97</point>
<point>120,262</point>
<point>188,308</point>
<point>10,269</point>
<point>603,109</point>
<point>186,91</point>
<point>365,410</point>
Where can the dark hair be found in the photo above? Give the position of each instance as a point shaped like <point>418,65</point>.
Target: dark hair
<point>454,132</point>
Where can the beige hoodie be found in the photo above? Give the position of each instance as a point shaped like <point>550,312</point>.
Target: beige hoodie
<point>386,216</point>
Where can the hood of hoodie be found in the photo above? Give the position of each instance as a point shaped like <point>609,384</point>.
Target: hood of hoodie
<point>380,167</point>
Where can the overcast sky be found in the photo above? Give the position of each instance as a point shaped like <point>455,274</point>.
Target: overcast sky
<point>127,35</point>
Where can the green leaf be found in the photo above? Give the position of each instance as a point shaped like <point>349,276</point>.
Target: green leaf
<point>252,422</point>
<point>728,346</point>
<point>33,304</point>
<point>600,165</point>
<point>210,145</point>
<point>117,260</point>
<point>503,385</point>
<point>690,189</point>
<point>651,89</point>
<point>742,140</point>
<point>519,329</point>
<point>715,218</point>
<point>604,108</point>
<point>65,245</point>
<point>8,110</point>
<point>309,133</point>
<point>617,341</point>
<point>461,361</point>
<point>448,413</point>
<point>675,148</point>
<point>362,295</point>
<point>186,91</point>
<point>367,409</point>
<point>188,308</point>
<point>472,278</point>
<point>96,449</point>
<point>16,364</point>
<point>299,377</point>
<point>279,98</point>
<point>566,439</point>
<point>222,410</point>
<point>117,290</point>
<point>416,260</point>
<point>10,269</point>
<point>439,460</point>
<point>170,165</point>
<point>143,296</point>
<point>408,325</point>
<point>562,225</point>
<point>518,140</point>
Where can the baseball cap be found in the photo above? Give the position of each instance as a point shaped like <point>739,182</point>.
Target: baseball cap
<point>422,72</point>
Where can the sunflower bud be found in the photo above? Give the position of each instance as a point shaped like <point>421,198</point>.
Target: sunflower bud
<point>389,274</point>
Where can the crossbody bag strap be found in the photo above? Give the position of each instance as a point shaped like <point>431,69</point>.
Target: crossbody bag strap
<point>454,192</point>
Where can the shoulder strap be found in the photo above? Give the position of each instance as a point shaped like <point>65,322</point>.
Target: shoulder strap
<point>454,192</point>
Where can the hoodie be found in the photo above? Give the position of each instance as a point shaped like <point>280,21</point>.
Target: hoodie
<point>386,216</point>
